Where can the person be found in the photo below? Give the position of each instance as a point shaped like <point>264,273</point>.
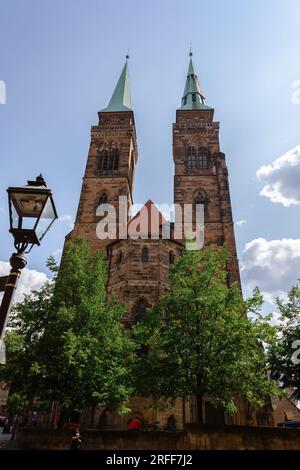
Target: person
<point>135,424</point>
<point>34,418</point>
<point>2,421</point>
<point>55,422</point>
<point>7,426</point>
<point>76,439</point>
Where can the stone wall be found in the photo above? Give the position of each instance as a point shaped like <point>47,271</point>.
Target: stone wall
<point>194,438</point>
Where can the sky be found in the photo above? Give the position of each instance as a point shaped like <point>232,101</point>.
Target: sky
<point>60,61</point>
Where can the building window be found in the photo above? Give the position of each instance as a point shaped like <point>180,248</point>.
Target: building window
<point>171,258</point>
<point>200,197</point>
<point>197,158</point>
<point>103,199</point>
<point>145,255</point>
<point>131,167</point>
<point>115,158</point>
<point>139,310</point>
<point>119,258</point>
<point>108,160</point>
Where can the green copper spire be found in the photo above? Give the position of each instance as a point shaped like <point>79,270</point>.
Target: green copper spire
<point>121,100</point>
<point>193,97</point>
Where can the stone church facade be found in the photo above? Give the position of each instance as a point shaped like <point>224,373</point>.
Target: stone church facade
<point>139,268</point>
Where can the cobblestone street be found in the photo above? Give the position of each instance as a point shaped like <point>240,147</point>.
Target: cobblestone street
<point>5,441</point>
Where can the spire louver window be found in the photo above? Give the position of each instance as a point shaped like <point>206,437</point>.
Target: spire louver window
<point>197,158</point>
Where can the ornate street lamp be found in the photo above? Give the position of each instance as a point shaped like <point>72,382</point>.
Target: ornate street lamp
<point>31,213</point>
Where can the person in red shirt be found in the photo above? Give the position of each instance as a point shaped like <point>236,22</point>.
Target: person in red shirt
<point>135,424</point>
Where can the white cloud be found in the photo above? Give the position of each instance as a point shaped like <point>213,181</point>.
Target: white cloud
<point>272,265</point>
<point>67,219</point>
<point>241,222</point>
<point>57,253</point>
<point>29,280</point>
<point>282,179</point>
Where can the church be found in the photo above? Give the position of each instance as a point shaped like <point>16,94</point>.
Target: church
<point>138,268</point>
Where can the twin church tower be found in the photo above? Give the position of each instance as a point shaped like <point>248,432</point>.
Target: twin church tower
<point>139,268</point>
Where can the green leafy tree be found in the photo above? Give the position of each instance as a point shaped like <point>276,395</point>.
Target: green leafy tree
<point>285,355</point>
<point>67,342</point>
<point>199,340</point>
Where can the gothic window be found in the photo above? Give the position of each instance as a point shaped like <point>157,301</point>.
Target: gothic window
<point>145,255</point>
<point>103,199</point>
<point>119,258</point>
<point>131,167</point>
<point>200,197</point>
<point>108,159</point>
<point>139,310</point>
<point>171,260</point>
<point>115,158</point>
<point>197,158</point>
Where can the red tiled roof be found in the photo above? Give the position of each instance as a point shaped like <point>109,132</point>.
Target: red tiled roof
<point>149,221</point>
<point>149,217</point>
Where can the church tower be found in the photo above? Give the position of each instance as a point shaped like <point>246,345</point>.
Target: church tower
<point>111,162</point>
<point>201,175</point>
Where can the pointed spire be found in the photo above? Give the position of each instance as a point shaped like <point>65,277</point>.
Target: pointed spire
<point>121,99</point>
<point>193,97</point>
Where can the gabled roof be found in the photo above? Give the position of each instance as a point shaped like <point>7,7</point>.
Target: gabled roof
<point>148,216</point>
<point>150,222</point>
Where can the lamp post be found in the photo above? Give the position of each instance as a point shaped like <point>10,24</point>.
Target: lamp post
<point>31,213</point>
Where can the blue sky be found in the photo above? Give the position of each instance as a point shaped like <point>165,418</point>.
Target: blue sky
<point>60,61</point>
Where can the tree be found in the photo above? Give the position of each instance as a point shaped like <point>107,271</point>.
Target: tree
<point>67,342</point>
<point>285,355</point>
<point>199,340</point>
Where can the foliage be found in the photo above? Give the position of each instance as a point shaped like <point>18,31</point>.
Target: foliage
<point>199,339</point>
<point>285,355</point>
<point>66,342</point>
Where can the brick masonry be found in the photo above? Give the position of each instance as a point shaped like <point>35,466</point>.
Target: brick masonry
<point>193,438</point>
<point>139,284</point>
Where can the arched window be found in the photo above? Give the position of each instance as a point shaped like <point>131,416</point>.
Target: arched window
<point>131,167</point>
<point>200,197</point>
<point>108,159</point>
<point>139,310</point>
<point>119,258</point>
<point>103,199</point>
<point>171,260</point>
<point>197,157</point>
<point>115,158</point>
<point>145,255</point>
